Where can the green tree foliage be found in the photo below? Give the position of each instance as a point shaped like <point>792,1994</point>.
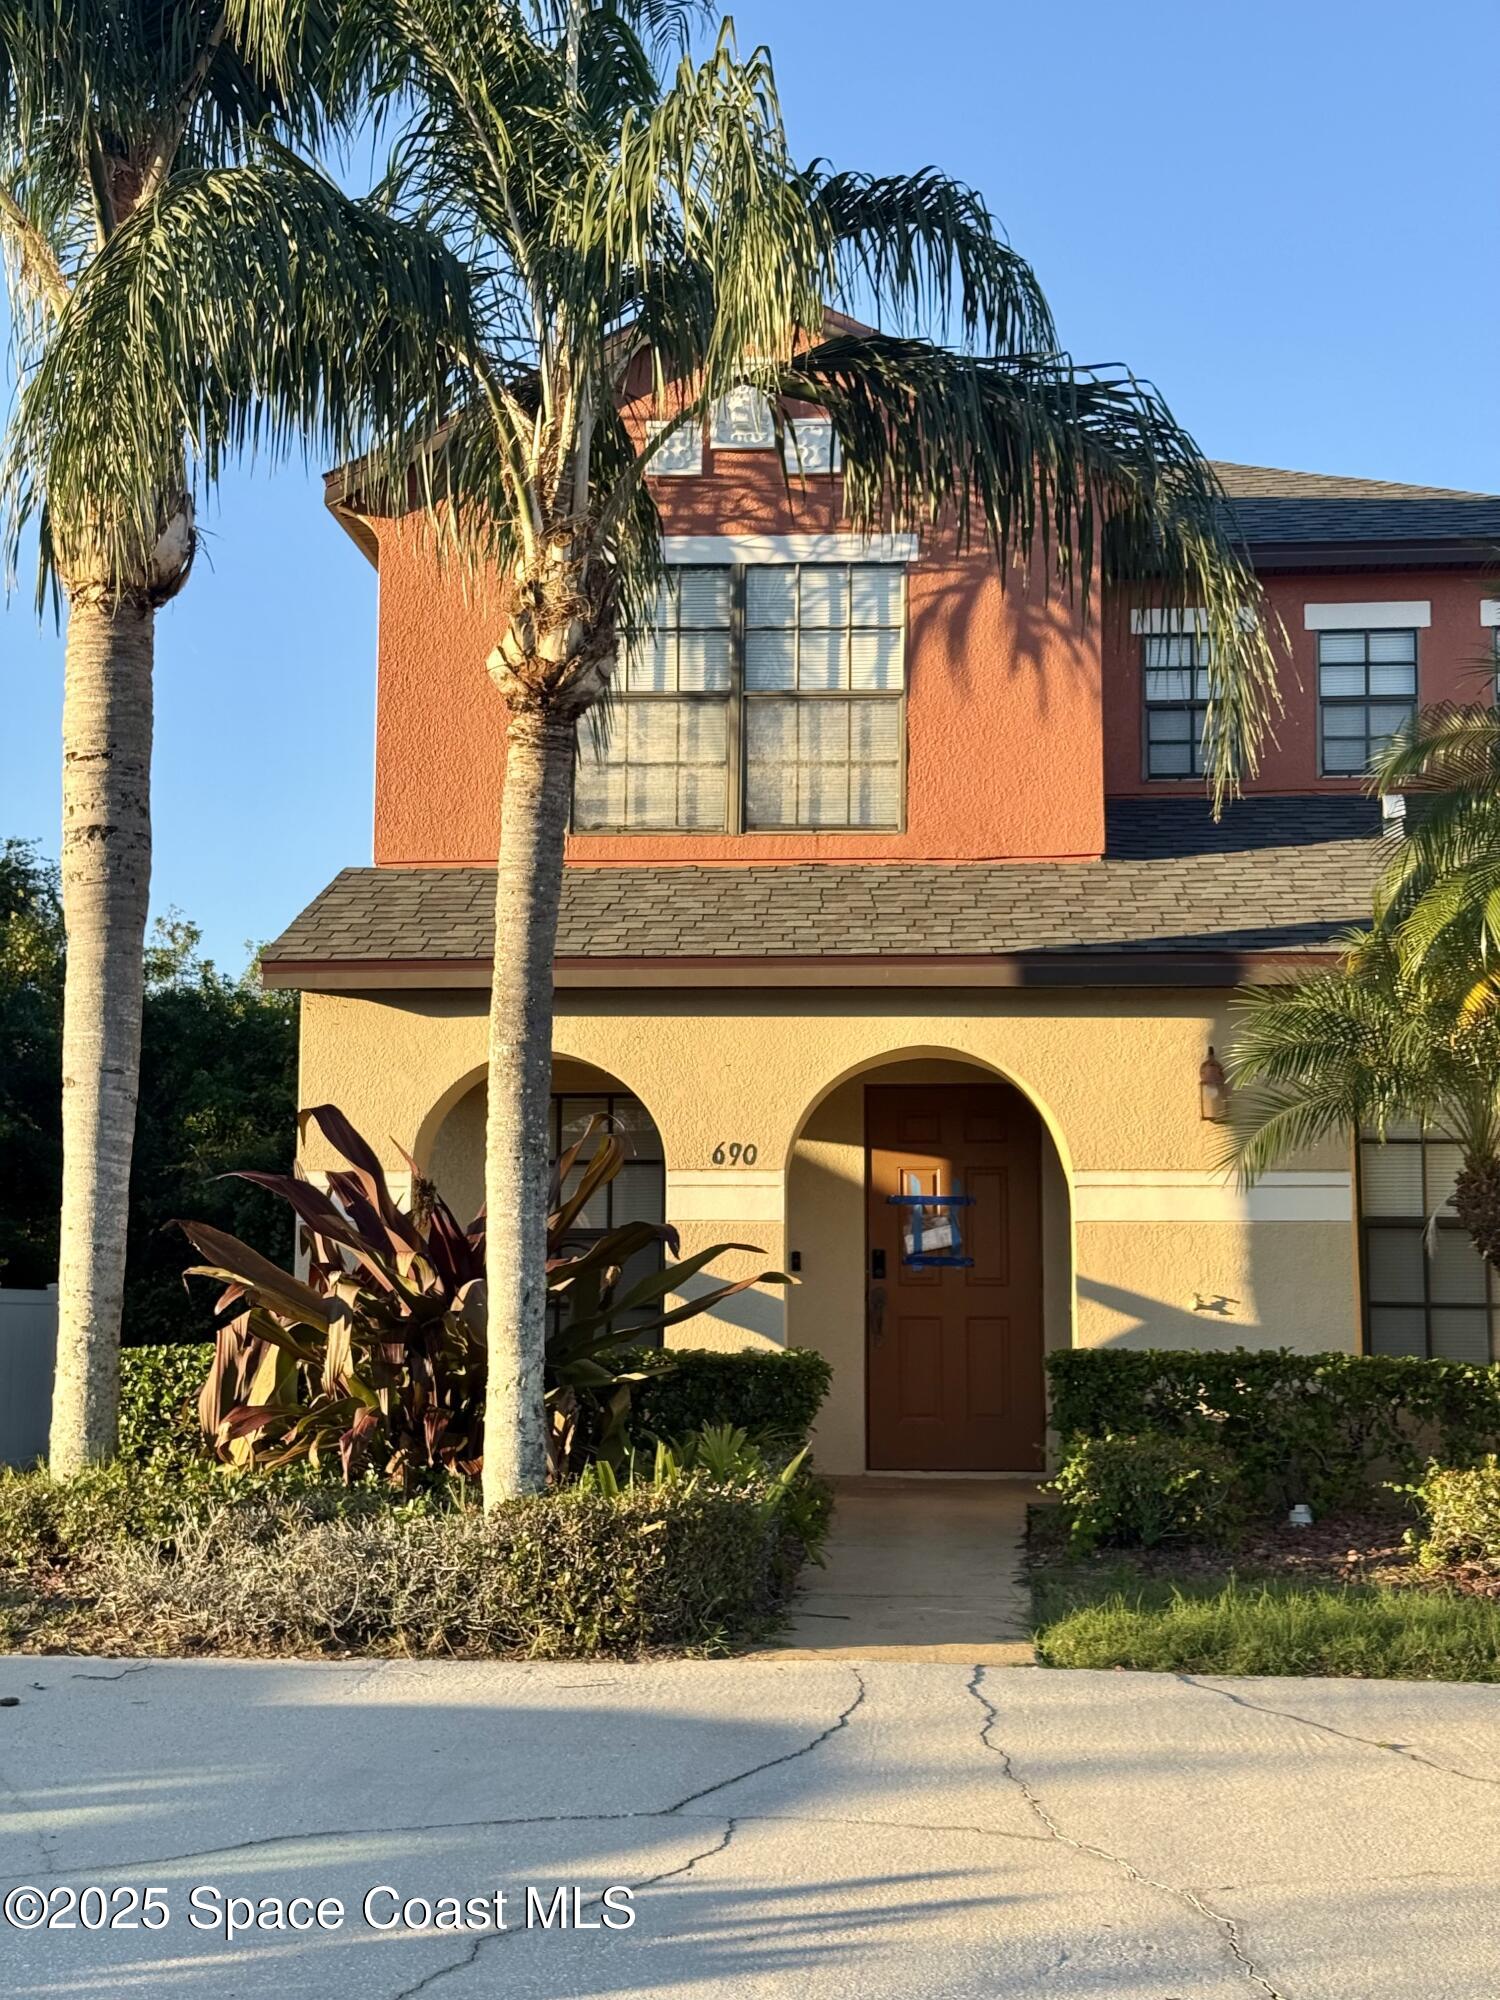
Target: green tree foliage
<point>218,1091</point>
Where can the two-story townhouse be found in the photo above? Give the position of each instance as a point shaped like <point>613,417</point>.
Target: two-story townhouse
<point>892,883</point>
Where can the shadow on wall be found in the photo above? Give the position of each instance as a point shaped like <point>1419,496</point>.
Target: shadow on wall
<point>758,1314</point>
<point>1155,1324</point>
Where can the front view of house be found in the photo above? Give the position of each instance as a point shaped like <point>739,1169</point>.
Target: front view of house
<point>897,936</point>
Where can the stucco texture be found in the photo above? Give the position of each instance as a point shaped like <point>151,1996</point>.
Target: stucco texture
<point>992,663</point>
<point>1114,1076</point>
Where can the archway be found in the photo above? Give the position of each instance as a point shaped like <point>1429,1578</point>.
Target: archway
<point>937,1365</point>
<point>454,1145</point>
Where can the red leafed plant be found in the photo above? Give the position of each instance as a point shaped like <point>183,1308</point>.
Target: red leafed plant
<point>378,1355</point>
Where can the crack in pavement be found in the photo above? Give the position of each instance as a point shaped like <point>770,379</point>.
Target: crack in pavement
<point>1330,1729</point>
<point>472,1955</point>
<point>494,1823</point>
<point>124,1673</point>
<point>1227,1927</point>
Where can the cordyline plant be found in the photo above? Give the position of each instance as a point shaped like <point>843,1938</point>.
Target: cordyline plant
<point>378,1356</point>
<point>184,284</point>
<point>636,221</point>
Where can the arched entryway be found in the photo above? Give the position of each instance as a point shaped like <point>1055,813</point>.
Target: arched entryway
<point>928,1211</point>
<point>455,1153</point>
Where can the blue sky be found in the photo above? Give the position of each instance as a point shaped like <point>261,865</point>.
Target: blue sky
<point>1285,215</point>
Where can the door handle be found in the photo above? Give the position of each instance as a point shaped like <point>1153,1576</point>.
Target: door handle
<point>877,1315</point>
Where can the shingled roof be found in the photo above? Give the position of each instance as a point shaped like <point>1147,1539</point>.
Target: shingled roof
<point>1166,909</point>
<point>1274,508</point>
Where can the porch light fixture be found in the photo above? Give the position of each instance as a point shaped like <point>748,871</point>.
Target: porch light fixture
<point>1213,1089</point>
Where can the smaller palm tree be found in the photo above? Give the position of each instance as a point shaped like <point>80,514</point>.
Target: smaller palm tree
<point>1375,1042</point>
<point>1441,892</point>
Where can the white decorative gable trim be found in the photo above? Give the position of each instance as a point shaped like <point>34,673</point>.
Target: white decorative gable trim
<point>742,420</point>
<point>789,548</point>
<point>682,454</point>
<point>1395,615</point>
<point>810,444</point>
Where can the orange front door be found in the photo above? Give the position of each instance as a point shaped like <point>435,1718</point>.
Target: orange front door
<point>954,1347</point>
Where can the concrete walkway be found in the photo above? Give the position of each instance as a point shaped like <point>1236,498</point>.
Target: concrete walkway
<point>829,1831</point>
<point>919,1570</point>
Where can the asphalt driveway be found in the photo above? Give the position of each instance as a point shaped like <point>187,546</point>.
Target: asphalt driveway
<point>772,1827</point>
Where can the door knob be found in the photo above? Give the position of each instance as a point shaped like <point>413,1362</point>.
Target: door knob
<point>877,1316</point>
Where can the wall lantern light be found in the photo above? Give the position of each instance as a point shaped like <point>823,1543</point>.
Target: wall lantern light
<point>1213,1090</point>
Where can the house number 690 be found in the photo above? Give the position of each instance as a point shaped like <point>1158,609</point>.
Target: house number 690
<point>733,1153</point>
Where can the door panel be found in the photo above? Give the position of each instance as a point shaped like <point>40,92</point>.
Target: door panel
<point>955,1351</point>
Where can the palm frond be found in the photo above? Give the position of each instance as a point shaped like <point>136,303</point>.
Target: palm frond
<point>253,308</point>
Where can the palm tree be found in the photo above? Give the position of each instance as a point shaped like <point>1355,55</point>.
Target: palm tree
<point>638,216</point>
<point>1376,1042</point>
<point>182,285</point>
<point>1441,890</point>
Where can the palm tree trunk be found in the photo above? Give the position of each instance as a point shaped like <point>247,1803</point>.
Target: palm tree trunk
<point>528,885</point>
<point>106,879</point>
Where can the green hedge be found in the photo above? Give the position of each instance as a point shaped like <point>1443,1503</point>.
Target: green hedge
<point>1325,1428</point>
<point>771,1393</point>
<point>158,1400</point>
<point>768,1392</point>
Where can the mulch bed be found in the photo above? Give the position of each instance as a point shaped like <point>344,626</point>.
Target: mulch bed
<point>1362,1548</point>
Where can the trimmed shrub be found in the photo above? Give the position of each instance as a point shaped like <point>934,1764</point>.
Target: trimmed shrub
<point>1325,1428</point>
<point>158,1402</point>
<point>773,1394</point>
<point>1461,1515</point>
<point>1141,1490</point>
<point>568,1574</point>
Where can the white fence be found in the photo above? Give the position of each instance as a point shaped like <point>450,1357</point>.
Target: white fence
<point>28,1344</point>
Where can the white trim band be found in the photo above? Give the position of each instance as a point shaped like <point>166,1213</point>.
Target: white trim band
<point>725,1194</point>
<point>1183,1196</point>
<point>789,548</point>
<point>1393,616</point>
<point>1489,612</point>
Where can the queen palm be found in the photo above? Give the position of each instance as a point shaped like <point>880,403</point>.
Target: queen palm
<point>181,285</point>
<point>1441,891</point>
<point>640,220</point>
<point>1378,1041</point>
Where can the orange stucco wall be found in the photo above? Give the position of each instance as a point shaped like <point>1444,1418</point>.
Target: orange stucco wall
<point>1004,734</point>
<point>1454,656</point>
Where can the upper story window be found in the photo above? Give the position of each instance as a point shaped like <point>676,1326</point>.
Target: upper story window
<point>1367,691</point>
<point>1176,682</point>
<point>759,698</point>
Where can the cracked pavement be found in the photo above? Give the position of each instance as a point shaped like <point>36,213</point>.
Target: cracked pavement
<point>880,1831</point>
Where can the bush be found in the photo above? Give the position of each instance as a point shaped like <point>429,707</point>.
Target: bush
<point>1325,1428</point>
<point>773,1394</point>
<point>159,1402</point>
<point>1277,1628</point>
<point>1461,1510</point>
<point>52,1521</point>
<point>565,1574</point>
<point>1142,1490</point>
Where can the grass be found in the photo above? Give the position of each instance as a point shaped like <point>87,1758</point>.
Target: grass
<point>1245,1625</point>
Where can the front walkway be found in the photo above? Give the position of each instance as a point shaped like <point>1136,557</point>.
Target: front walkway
<point>921,1570</point>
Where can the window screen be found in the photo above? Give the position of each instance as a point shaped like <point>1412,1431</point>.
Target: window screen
<point>1176,688</point>
<point>1423,1296</point>
<point>770,696</point>
<point>1367,690</point>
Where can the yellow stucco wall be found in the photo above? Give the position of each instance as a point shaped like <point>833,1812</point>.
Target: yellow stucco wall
<point>1142,1241</point>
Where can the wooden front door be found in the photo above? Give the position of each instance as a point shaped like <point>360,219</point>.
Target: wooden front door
<point>954,1349</point>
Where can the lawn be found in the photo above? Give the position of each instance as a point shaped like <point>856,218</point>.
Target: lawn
<point>1259,1613</point>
